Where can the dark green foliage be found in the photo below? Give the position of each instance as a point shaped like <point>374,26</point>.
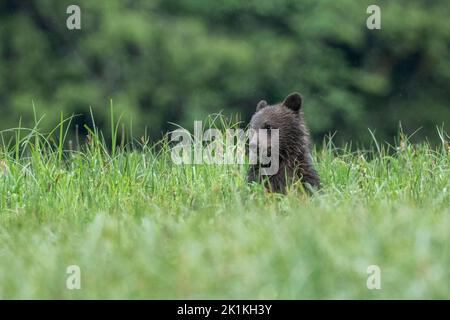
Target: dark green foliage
<point>177,61</point>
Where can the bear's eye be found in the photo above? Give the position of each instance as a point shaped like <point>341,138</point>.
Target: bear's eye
<point>267,126</point>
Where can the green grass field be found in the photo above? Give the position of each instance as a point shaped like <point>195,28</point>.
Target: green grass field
<point>139,226</point>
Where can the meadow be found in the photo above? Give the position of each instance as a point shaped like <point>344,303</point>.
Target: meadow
<point>139,226</point>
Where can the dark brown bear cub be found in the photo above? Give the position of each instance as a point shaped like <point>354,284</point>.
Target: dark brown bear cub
<point>294,156</point>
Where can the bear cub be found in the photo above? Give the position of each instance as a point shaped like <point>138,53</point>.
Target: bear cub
<point>294,156</point>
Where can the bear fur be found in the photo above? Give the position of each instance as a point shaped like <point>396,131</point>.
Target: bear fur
<point>295,162</point>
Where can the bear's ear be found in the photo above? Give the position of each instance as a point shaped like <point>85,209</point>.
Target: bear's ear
<point>293,101</point>
<point>261,104</point>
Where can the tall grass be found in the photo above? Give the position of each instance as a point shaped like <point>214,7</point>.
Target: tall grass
<point>141,227</point>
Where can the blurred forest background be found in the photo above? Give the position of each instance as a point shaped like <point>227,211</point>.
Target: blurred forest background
<point>164,61</point>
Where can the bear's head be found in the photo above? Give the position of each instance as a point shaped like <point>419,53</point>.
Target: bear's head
<point>287,117</point>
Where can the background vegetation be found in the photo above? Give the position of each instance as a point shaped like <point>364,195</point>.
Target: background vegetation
<point>178,60</point>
